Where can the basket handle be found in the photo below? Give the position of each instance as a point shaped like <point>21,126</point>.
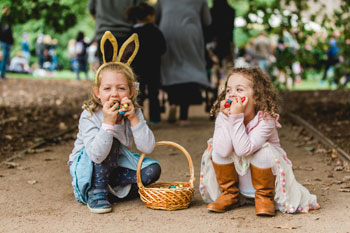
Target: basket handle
<point>165,143</point>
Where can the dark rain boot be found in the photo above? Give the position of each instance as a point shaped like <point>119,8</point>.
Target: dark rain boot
<point>98,202</point>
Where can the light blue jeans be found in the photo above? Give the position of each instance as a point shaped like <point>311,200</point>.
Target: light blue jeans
<point>263,64</point>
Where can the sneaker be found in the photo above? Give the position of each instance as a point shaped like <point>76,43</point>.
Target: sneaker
<point>98,201</point>
<point>154,122</point>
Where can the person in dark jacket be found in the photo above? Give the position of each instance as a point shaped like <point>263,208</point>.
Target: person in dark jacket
<point>332,57</point>
<point>146,64</point>
<point>6,40</point>
<point>81,52</point>
<point>223,18</point>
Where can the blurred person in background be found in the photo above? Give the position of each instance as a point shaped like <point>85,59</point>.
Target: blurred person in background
<point>39,50</point>
<point>262,51</point>
<point>146,64</point>
<point>332,57</point>
<point>110,15</point>
<point>25,47</point>
<point>6,39</point>
<point>223,18</point>
<point>92,57</point>
<point>72,55</point>
<point>53,54</point>
<point>81,52</point>
<point>19,64</point>
<point>183,66</point>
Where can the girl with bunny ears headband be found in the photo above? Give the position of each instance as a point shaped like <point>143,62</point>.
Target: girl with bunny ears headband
<point>101,162</point>
<point>120,63</point>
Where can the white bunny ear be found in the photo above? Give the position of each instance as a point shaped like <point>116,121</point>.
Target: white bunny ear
<point>129,50</point>
<point>108,37</point>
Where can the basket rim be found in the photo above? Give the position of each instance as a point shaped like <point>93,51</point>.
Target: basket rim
<point>166,143</point>
<point>166,183</point>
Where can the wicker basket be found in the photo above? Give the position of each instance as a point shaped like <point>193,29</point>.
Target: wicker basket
<point>160,195</point>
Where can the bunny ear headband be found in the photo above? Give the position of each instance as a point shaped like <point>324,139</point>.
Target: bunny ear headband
<point>126,54</point>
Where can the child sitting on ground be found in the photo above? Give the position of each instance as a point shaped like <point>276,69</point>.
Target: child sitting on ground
<point>101,161</point>
<point>246,153</point>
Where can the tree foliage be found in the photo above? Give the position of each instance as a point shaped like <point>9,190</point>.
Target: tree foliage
<point>61,19</point>
<point>291,13</point>
<point>58,15</point>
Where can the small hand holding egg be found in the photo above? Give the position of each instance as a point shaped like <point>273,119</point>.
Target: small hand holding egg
<point>129,111</point>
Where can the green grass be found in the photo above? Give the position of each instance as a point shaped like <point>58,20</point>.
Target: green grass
<point>62,74</point>
<point>311,83</point>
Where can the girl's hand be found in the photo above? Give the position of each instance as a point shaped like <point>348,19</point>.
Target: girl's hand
<point>129,109</point>
<point>223,109</point>
<point>238,106</point>
<point>110,114</point>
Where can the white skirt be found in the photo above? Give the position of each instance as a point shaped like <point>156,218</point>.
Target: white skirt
<point>290,196</point>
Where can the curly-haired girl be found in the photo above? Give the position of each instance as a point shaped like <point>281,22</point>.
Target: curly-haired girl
<point>246,153</point>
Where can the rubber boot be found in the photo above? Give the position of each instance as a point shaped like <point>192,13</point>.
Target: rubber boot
<point>227,178</point>
<point>98,202</point>
<point>264,183</point>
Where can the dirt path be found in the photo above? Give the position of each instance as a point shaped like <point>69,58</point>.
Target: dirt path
<point>36,195</point>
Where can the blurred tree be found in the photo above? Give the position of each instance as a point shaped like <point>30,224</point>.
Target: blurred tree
<point>52,14</point>
<point>342,24</point>
<point>61,19</point>
<point>291,15</point>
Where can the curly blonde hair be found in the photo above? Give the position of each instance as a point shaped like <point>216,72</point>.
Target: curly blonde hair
<point>94,103</point>
<point>264,92</point>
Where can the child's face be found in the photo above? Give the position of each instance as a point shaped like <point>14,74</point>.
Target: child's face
<point>114,87</point>
<point>240,86</point>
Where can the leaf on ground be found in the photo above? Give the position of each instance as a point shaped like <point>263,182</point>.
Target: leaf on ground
<point>339,168</point>
<point>329,182</point>
<point>48,159</point>
<point>32,181</point>
<point>339,162</point>
<point>321,151</point>
<point>345,185</point>
<point>11,164</point>
<point>344,190</point>
<point>286,226</point>
<point>334,154</point>
<point>62,126</point>
<point>346,167</point>
<point>32,151</point>
<point>311,149</point>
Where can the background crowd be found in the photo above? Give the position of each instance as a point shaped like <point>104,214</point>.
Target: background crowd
<point>189,66</point>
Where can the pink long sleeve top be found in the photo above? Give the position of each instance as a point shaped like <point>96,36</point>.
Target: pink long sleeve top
<point>231,135</point>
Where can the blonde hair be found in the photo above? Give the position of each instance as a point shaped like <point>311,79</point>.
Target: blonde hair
<point>94,103</point>
<point>264,93</point>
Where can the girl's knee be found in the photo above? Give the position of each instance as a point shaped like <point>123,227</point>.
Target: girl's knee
<point>263,158</point>
<point>150,174</point>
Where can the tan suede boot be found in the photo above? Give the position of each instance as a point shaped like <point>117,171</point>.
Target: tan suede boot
<point>264,183</point>
<point>227,178</point>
